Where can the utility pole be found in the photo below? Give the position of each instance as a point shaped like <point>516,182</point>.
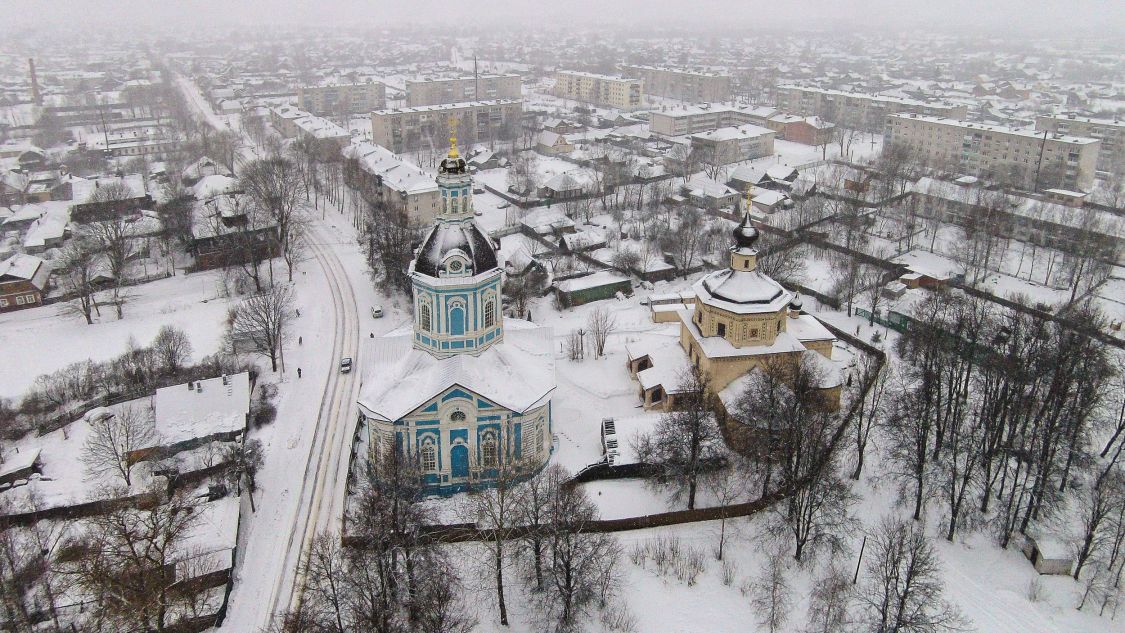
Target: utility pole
<point>476,77</point>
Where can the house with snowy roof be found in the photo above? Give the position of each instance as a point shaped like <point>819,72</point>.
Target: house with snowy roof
<point>23,282</point>
<point>463,391</point>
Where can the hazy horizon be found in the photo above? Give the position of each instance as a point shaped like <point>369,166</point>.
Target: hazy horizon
<point>1037,17</point>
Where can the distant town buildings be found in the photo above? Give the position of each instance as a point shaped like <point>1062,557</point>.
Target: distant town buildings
<point>1018,156</point>
<point>1111,133</point>
<point>601,90</point>
<point>406,129</point>
<point>857,110</point>
<point>685,85</point>
<point>439,90</point>
<point>336,99</point>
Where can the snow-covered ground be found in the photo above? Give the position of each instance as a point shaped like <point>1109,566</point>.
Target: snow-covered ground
<point>45,339</point>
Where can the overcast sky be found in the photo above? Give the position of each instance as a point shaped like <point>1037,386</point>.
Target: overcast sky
<point>1066,16</point>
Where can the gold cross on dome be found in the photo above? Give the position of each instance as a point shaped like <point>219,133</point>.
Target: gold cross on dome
<point>453,137</point>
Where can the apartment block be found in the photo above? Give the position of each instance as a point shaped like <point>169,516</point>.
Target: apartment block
<point>685,85</point>
<point>406,129</point>
<point>858,110</point>
<point>437,91</point>
<point>381,177</point>
<point>602,90</point>
<point>1018,156</point>
<point>336,99</point>
<point>733,144</point>
<point>1111,132</point>
<point>701,118</point>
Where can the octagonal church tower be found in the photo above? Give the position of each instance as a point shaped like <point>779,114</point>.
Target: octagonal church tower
<point>455,274</point>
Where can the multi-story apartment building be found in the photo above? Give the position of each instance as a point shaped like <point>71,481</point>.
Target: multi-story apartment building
<point>685,85</point>
<point>732,144</point>
<point>603,90</point>
<point>436,91</point>
<point>701,118</point>
<point>858,110</point>
<point>406,129</point>
<point>1111,132</point>
<point>291,122</point>
<point>1037,219</point>
<point>1016,156</point>
<point>337,99</point>
<point>381,177</point>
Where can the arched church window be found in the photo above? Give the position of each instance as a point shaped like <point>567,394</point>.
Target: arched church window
<point>489,313</point>
<point>539,439</point>
<point>429,458</point>
<point>457,416</point>
<point>424,317</point>
<point>488,453</point>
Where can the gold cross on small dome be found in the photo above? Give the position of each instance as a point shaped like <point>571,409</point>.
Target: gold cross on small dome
<point>453,137</point>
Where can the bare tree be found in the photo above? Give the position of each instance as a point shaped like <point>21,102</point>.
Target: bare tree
<point>771,596</point>
<point>126,562</point>
<point>112,439</point>
<point>244,461</point>
<point>494,508</point>
<point>728,485</point>
<point>902,587</point>
<point>172,348</point>
<point>828,603</point>
<point>78,266</point>
<point>601,324</point>
<point>580,566</point>
<point>263,320</point>
<point>686,441</point>
<point>274,187</point>
<point>874,407</point>
<point>114,240</point>
<point>533,512</point>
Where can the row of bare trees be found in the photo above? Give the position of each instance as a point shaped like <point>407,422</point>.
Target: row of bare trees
<point>394,576</point>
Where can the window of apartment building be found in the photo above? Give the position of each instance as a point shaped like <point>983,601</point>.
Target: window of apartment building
<point>30,298</point>
<point>19,300</point>
<point>3,303</point>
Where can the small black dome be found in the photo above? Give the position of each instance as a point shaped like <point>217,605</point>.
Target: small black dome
<point>745,234</point>
<point>453,165</point>
<point>444,238</point>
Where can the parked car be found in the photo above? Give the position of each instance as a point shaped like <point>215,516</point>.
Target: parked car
<point>346,365</point>
<point>504,205</point>
<point>376,312</point>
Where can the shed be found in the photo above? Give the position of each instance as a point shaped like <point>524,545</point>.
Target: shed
<point>1048,555</point>
<point>595,287</point>
<point>20,466</point>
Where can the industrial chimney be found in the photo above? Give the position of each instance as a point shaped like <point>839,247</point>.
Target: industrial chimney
<point>36,97</point>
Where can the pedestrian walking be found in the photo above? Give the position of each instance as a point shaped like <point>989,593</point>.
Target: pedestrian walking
<point>300,339</point>
<point>298,372</point>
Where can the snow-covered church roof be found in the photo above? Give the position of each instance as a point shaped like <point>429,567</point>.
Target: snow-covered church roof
<point>518,373</point>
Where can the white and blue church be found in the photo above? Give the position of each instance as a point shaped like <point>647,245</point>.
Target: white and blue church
<point>462,390</point>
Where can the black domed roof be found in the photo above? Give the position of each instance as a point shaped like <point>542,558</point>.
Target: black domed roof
<point>745,234</point>
<point>453,165</point>
<point>444,238</point>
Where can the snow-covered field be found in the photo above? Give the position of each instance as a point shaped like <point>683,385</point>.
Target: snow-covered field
<point>45,339</point>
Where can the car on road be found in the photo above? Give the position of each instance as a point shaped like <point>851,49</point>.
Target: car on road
<point>376,312</point>
<point>504,205</point>
<point>346,365</point>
